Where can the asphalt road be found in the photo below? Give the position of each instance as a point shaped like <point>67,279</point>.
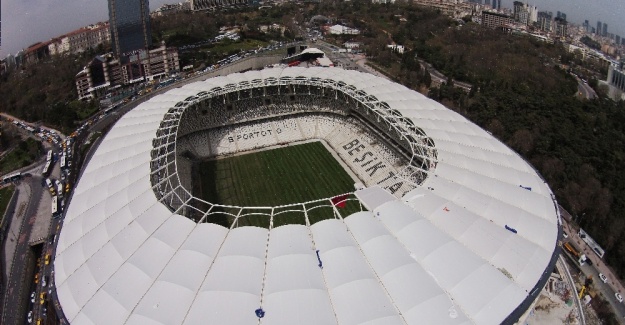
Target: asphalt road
<point>16,294</point>
<point>585,90</point>
<point>607,289</point>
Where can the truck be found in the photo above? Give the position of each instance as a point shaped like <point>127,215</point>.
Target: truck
<point>581,258</point>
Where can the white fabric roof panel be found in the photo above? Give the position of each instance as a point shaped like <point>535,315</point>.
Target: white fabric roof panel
<point>294,291</point>
<point>354,288</point>
<point>231,290</point>
<point>391,261</point>
<point>435,258</point>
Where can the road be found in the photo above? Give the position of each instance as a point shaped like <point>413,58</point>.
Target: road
<point>607,289</point>
<point>14,309</point>
<point>585,90</point>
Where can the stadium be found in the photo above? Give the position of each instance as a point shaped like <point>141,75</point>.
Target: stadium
<point>303,196</point>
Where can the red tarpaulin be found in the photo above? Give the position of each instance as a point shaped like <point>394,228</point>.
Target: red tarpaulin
<point>339,201</point>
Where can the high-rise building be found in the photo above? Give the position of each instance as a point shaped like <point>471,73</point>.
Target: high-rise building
<point>605,30</point>
<point>130,26</point>
<point>560,26</point>
<point>533,15</point>
<point>617,39</point>
<point>598,31</point>
<point>517,8</point>
<point>521,12</point>
<point>544,20</point>
<point>498,4</point>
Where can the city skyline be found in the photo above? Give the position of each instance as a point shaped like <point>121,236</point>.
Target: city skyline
<point>577,11</point>
<point>38,21</point>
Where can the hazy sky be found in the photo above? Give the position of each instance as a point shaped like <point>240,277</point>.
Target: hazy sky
<point>25,22</point>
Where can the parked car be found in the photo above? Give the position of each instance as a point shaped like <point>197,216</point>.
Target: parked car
<point>618,297</point>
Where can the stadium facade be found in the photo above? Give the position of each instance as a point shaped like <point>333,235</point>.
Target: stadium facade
<point>455,227</point>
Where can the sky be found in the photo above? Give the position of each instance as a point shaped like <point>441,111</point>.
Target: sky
<point>25,22</point>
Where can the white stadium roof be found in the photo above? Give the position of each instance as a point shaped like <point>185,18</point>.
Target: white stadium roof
<point>470,245</point>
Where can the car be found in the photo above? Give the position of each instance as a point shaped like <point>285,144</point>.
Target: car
<point>603,278</point>
<point>32,297</point>
<point>565,235</point>
<point>36,278</point>
<point>44,312</point>
<point>618,297</point>
<point>42,298</point>
<point>29,318</point>
<point>44,281</point>
<point>47,259</point>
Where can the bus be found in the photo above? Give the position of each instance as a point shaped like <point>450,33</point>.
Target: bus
<point>55,206</point>
<point>49,157</point>
<point>62,161</point>
<point>59,188</point>
<point>46,169</point>
<point>12,178</point>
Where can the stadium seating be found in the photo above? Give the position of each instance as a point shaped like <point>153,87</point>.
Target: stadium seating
<point>376,162</point>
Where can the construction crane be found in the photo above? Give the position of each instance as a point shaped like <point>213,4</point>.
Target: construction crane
<point>581,292</point>
<point>586,284</point>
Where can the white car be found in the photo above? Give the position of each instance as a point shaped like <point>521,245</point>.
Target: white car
<point>603,278</point>
<point>618,297</point>
<point>32,297</point>
<point>30,317</point>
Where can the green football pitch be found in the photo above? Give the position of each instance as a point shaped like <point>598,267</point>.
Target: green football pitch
<point>281,176</point>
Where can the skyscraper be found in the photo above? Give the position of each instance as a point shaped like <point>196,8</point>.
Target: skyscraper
<point>130,26</point>
<point>544,20</point>
<point>605,30</point>
<point>598,28</point>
